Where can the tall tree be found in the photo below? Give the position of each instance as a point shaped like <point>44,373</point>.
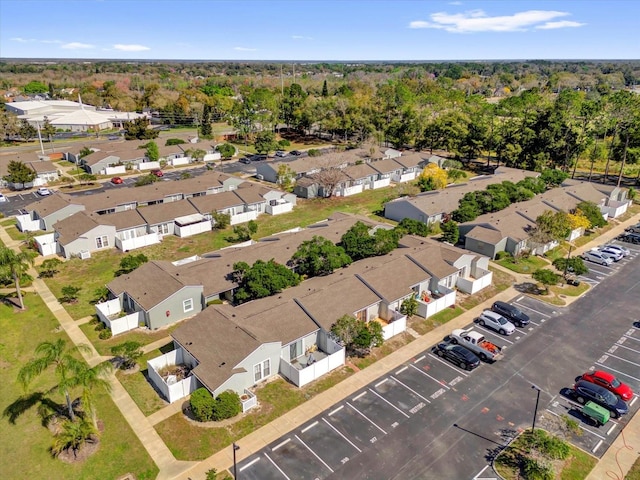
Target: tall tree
<point>319,256</point>
<point>67,367</point>
<point>152,151</point>
<point>16,265</point>
<point>19,173</point>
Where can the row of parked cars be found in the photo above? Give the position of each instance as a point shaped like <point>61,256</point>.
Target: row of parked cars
<point>605,254</point>
<point>602,395</point>
<point>466,348</point>
<point>631,235</point>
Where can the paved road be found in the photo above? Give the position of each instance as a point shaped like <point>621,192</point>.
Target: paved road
<point>429,419</point>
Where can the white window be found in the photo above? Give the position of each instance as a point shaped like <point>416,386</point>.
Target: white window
<point>163,229</point>
<point>102,242</point>
<point>261,370</point>
<point>187,305</point>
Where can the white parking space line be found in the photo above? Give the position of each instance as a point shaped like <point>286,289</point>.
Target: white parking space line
<point>410,389</point>
<point>480,473</point>
<point>336,410</point>
<point>381,382</point>
<point>314,454</point>
<point>628,348</point>
<point>357,397</point>
<point>366,418</point>
<point>419,359</point>
<point>391,404</point>
<point>450,366</point>
<point>401,370</point>
<point>281,444</point>
<point>495,334</point>
<point>633,401</point>
<point>617,371</point>
<point>439,382</point>
<point>611,429</point>
<point>339,433</point>
<point>249,464</point>
<point>310,426</point>
<point>534,323</point>
<point>533,310</point>
<point>275,465</point>
<point>628,361</point>
<point>597,446</point>
<point>631,338</point>
<point>607,272</point>
<point>517,300</point>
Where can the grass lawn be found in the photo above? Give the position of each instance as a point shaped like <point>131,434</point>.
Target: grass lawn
<point>389,346</point>
<point>8,221</point>
<point>13,232</point>
<point>143,336</point>
<point>592,235</point>
<point>188,441</point>
<point>501,281</point>
<point>526,265</point>
<point>24,445</point>
<point>434,321</point>
<point>569,290</point>
<point>559,252</point>
<point>141,391</point>
<point>576,466</point>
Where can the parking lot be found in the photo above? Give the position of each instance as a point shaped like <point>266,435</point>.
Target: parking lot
<point>597,273</point>
<point>406,423</point>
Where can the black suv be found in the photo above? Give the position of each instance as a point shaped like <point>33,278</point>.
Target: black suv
<point>584,391</point>
<point>514,314</point>
<point>630,238</point>
<point>457,355</point>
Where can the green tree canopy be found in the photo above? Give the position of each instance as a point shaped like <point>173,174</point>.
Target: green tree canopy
<point>593,213</point>
<point>130,262</point>
<point>359,243</point>
<point>19,173</point>
<point>226,150</point>
<point>265,142</point>
<point>319,256</point>
<point>262,279</point>
<point>551,226</point>
<point>139,130</point>
<point>152,151</point>
<point>450,232</point>
<point>15,265</point>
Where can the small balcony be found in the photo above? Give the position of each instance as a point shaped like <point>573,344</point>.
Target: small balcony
<point>114,317</point>
<point>473,284</point>
<point>171,375</point>
<point>396,324</point>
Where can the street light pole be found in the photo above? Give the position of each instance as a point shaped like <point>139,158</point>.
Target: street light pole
<point>235,467</point>
<point>535,413</point>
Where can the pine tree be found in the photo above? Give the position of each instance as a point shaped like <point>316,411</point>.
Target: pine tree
<point>325,90</point>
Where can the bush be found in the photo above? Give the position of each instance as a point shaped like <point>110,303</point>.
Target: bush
<point>535,470</point>
<point>314,152</point>
<point>227,405</point>
<point>501,255</point>
<point>202,405</point>
<point>105,334</point>
<point>546,277</point>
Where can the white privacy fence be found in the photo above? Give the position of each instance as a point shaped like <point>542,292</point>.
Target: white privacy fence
<point>172,388</point>
<point>474,285</point>
<point>111,314</point>
<point>435,305</point>
<point>138,242</point>
<point>26,224</point>
<point>396,325</point>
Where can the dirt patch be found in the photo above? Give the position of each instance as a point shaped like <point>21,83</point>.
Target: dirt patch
<point>87,449</point>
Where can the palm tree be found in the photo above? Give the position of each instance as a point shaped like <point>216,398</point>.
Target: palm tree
<point>89,379</point>
<point>72,436</point>
<point>67,367</point>
<point>16,264</point>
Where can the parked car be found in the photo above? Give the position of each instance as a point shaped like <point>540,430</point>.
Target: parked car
<point>496,322</point>
<point>584,391</point>
<point>3,198</point>
<point>597,257</point>
<point>511,313</point>
<point>457,354</point>
<point>618,248</point>
<point>281,153</point>
<point>43,192</point>
<point>157,173</point>
<point>633,229</point>
<point>117,180</point>
<point>245,160</point>
<point>615,255</point>
<point>295,152</point>
<point>608,381</point>
<point>257,158</point>
<point>630,238</point>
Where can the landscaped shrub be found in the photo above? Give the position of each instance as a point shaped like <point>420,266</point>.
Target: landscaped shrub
<point>535,470</point>
<point>105,334</point>
<point>202,404</point>
<point>501,255</point>
<point>314,152</point>
<point>227,405</point>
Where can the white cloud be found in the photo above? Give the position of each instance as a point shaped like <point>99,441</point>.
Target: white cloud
<point>22,40</point>
<point>130,47</point>
<point>50,41</point>
<point>301,37</point>
<point>473,21</point>
<point>245,49</point>
<point>455,3</point>
<point>560,24</point>
<point>77,46</point>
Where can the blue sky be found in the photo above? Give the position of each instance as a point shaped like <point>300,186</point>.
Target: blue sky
<point>320,30</point>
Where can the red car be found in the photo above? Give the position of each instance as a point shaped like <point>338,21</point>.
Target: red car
<point>157,173</point>
<point>610,382</point>
<point>116,180</point>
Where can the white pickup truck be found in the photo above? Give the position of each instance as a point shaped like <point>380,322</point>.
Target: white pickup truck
<point>476,342</point>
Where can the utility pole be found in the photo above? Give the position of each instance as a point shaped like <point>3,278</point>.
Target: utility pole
<point>40,138</point>
<point>281,82</point>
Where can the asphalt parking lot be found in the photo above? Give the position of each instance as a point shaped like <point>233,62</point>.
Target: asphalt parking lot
<point>430,419</point>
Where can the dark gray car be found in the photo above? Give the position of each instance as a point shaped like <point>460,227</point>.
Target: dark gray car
<point>585,391</point>
<point>511,313</point>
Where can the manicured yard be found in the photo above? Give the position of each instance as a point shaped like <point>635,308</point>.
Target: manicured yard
<point>138,386</point>
<point>501,281</point>
<point>634,473</point>
<point>145,337</point>
<point>387,347</point>
<point>12,230</point>
<point>24,445</point>
<point>423,326</point>
<point>188,441</point>
<point>525,265</point>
